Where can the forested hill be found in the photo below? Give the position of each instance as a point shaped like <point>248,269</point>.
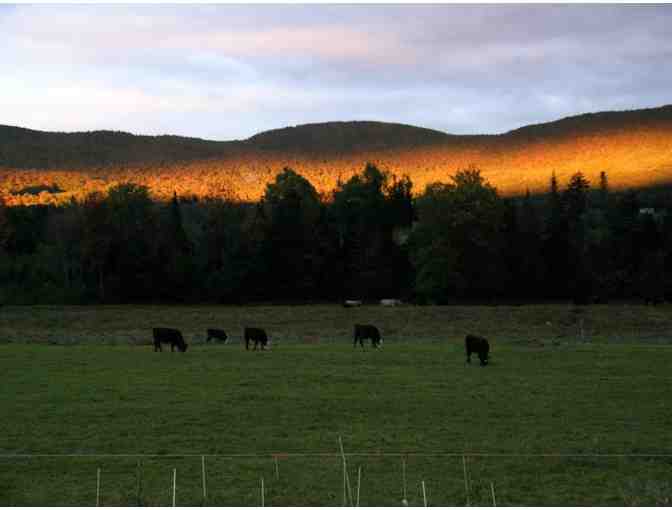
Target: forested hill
<point>27,148</point>
<point>333,138</point>
<point>633,147</point>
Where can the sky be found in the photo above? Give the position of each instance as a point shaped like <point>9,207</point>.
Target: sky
<point>226,72</point>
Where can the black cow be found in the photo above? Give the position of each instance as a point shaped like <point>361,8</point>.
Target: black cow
<point>257,335</point>
<point>169,336</point>
<point>363,331</point>
<point>478,345</point>
<point>217,334</point>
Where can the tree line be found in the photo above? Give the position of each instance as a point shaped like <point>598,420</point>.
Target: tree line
<point>369,239</point>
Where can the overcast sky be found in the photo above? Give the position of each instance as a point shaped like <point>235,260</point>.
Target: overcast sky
<point>228,71</point>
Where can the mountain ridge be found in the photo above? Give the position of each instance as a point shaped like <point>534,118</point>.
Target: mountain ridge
<point>663,109</point>
<point>633,146</point>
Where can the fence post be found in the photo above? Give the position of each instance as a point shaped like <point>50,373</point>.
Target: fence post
<point>359,483</point>
<point>403,476</point>
<point>345,489</point>
<point>466,483</point>
<point>138,484</point>
<point>205,492</point>
<point>492,489</point>
<point>262,491</point>
<point>345,471</point>
<point>424,493</point>
<point>174,484</point>
<point>98,488</point>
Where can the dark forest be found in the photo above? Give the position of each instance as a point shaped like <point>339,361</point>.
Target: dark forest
<point>372,238</point>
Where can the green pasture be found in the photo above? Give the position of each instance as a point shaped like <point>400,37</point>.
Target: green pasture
<point>84,382</point>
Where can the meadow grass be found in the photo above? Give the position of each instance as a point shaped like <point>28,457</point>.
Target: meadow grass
<point>523,325</point>
<point>101,390</point>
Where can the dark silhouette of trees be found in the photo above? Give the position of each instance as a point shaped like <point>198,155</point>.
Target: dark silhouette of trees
<point>175,253</point>
<point>371,239</point>
<point>64,232</point>
<point>232,252</point>
<point>603,196</point>
<point>96,244</point>
<point>292,209</point>
<point>456,244</point>
<point>556,242</point>
<point>575,206</point>
<point>532,272</point>
<point>366,215</point>
<point>132,222</point>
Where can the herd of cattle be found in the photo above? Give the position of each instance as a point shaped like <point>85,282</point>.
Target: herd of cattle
<point>473,344</point>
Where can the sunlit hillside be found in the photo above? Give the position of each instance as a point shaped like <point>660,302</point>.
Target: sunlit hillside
<point>633,147</point>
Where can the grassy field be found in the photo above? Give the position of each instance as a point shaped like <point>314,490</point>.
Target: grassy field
<point>84,381</point>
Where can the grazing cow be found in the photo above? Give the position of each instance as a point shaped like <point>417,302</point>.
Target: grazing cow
<point>478,345</point>
<point>217,334</point>
<point>169,336</point>
<point>257,335</point>
<point>351,303</point>
<point>363,331</point>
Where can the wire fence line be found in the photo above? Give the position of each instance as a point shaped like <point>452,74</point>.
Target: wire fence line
<point>281,455</point>
<point>431,492</point>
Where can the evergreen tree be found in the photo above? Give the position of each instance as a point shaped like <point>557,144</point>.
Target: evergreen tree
<point>130,217</point>
<point>96,244</point>
<point>575,201</point>
<point>176,233</point>
<point>174,255</point>
<point>625,255</point>
<point>603,195</point>
<point>231,253</point>
<point>555,244</point>
<point>531,272</point>
<point>512,240</point>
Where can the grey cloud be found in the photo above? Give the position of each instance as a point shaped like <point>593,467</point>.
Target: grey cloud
<point>228,71</point>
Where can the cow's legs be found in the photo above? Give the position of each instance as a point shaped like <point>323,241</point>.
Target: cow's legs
<point>468,356</point>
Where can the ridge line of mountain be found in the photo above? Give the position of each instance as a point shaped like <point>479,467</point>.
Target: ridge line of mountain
<point>667,108</point>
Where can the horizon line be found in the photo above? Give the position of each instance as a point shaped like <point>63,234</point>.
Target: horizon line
<point>289,126</point>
